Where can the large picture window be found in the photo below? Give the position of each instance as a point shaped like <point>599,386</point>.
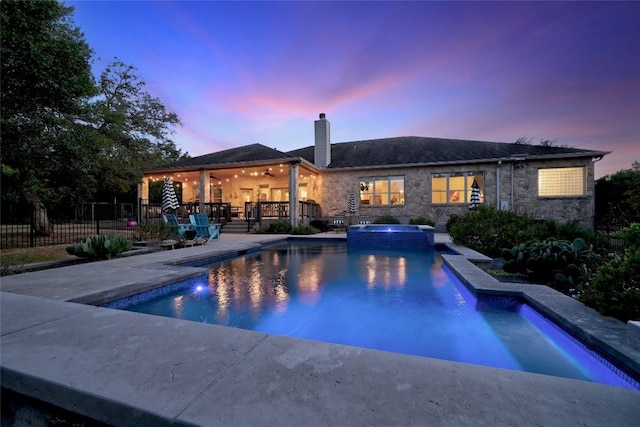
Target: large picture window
<point>382,190</point>
<point>561,182</point>
<point>453,188</point>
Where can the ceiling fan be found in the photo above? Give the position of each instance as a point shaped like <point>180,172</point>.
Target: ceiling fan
<point>267,172</point>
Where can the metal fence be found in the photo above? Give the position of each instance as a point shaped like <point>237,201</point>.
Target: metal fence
<point>609,228</point>
<point>280,210</point>
<point>216,212</point>
<point>20,226</point>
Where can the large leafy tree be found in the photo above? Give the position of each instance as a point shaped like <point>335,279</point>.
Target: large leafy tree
<point>618,196</point>
<point>65,137</point>
<point>45,77</point>
<point>133,127</point>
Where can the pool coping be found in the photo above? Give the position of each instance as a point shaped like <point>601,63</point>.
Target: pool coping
<point>63,353</point>
<point>606,334</point>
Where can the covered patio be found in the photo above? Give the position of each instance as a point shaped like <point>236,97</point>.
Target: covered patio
<point>251,191</point>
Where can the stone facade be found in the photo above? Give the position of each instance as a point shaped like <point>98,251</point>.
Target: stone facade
<point>518,191</point>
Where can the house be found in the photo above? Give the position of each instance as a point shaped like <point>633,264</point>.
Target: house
<point>406,177</point>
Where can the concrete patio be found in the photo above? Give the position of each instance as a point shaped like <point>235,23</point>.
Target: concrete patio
<point>129,369</point>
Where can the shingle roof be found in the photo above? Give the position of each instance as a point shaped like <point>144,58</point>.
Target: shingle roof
<point>408,150</point>
<point>244,154</point>
<point>404,150</point>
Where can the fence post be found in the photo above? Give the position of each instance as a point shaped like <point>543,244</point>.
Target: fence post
<point>32,226</point>
<point>97,219</point>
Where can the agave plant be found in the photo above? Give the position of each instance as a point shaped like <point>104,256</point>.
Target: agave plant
<point>100,247</point>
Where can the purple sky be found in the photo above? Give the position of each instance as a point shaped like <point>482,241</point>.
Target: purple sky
<point>244,72</point>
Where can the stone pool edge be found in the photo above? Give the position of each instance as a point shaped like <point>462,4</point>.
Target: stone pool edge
<point>607,334</point>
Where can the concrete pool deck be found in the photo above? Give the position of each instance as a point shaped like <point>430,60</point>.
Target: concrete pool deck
<point>125,368</point>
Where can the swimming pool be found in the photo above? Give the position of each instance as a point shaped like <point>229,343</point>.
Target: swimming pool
<point>386,300</point>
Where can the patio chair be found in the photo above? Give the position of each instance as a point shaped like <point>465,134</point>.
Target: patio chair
<point>204,229</point>
<point>172,220</point>
<point>338,223</point>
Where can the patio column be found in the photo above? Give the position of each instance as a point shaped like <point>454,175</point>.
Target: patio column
<point>202,191</point>
<point>294,173</point>
<point>143,189</point>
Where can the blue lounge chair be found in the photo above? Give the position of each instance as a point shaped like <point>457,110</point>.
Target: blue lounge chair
<point>204,229</point>
<point>172,220</point>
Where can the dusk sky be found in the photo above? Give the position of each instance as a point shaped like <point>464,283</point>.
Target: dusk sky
<point>238,73</point>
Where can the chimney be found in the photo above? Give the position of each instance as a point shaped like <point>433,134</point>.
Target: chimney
<point>322,153</point>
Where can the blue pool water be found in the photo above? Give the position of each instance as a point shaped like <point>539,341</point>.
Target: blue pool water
<point>405,302</point>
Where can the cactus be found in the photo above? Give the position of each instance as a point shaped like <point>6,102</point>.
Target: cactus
<point>552,261</point>
<point>100,247</point>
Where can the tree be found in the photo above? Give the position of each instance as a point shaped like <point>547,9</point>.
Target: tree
<point>134,127</point>
<point>45,76</point>
<point>618,196</point>
<point>65,138</point>
<point>524,140</point>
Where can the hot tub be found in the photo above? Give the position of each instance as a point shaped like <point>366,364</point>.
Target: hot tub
<point>392,236</point>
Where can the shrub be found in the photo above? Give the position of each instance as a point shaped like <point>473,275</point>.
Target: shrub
<point>570,230</point>
<point>100,247</point>
<point>615,288</point>
<point>422,221</point>
<point>451,221</point>
<point>305,230</point>
<point>386,219</point>
<point>559,263</point>
<point>488,230</point>
<point>281,226</point>
<point>159,230</point>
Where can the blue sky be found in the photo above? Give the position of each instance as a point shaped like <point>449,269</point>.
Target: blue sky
<point>238,73</point>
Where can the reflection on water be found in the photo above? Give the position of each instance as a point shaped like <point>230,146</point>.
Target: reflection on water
<point>384,271</point>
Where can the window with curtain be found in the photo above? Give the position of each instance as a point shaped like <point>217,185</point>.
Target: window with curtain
<point>455,188</point>
<point>382,190</point>
<point>562,182</point>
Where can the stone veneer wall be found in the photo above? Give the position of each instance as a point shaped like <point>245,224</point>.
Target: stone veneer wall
<point>335,187</point>
<point>563,209</point>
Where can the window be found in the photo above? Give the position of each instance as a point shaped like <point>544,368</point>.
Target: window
<point>279,194</point>
<point>302,192</point>
<point>561,182</point>
<point>216,194</point>
<point>382,190</point>
<point>263,193</point>
<point>454,188</point>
